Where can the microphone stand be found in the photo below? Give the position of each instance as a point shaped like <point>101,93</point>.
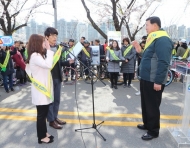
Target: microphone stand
<point>94,125</point>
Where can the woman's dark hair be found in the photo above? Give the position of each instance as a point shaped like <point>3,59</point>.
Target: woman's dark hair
<point>117,48</point>
<point>49,31</point>
<point>35,45</point>
<point>184,45</point>
<point>154,19</point>
<point>127,40</point>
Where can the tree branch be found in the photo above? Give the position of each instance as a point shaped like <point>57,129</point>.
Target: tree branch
<point>92,21</point>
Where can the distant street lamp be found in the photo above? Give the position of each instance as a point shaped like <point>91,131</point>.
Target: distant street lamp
<point>54,3</point>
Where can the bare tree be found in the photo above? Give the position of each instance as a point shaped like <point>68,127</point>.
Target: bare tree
<point>122,12</point>
<point>11,9</point>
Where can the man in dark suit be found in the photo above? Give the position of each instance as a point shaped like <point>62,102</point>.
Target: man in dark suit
<point>51,35</point>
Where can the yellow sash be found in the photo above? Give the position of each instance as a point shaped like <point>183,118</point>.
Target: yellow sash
<point>41,88</point>
<point>127,50</point>
<point>154,35</point>
<point>112,54</point>
<point>56,56</point>
<point>4,65</point>
<point>86,52</point>
<point>185,54</point>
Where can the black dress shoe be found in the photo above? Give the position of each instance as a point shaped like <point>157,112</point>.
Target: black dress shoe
<point>142,127</point>
<point>111,86</point>
<point>40,142</point>
<point>148,137</point>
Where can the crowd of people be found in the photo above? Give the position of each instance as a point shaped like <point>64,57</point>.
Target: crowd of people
<point>41,61</point>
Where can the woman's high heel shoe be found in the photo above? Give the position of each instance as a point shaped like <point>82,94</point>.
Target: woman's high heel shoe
<point>40,142</point>
<point>51,137</point>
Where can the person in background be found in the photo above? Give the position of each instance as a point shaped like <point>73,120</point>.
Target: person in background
<point>174,50</point>
<point>128,67</point>
<point>102,54</point>
<point>105,45</point>
<point>153,72</point>
<point>82,39</point>
<point>6,67</point>
<point>19,64</point>
<point>114,54</point>
<point>39,64</point>
<point>22,49</point>
<point>66,56</point>
<point>139,57</point>
<point>86,57</point>
<point>183,51</point>
<point>91,43</point>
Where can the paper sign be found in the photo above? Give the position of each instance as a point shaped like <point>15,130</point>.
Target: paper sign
<point>6,41</point>
<point>95,55</point>
<point>115,35</point>
<point>76,50</point>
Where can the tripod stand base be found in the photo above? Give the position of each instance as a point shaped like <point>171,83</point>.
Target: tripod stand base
<point>94,126</point>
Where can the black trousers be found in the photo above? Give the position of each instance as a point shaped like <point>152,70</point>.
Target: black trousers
<point>42,111</point>
<point>127,77</point>
<point>150,104</point>
<point>114,78</point>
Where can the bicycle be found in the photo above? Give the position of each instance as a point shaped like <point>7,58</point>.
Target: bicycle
<point>92,70</point>
<point>170,76</point>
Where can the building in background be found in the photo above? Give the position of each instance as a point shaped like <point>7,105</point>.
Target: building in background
<point>75,30</point>
<point>92,33</point>
<point>182,32</point>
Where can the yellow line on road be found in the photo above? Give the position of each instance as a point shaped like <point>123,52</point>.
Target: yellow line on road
<point>76,121</point>
<point>110,115</point>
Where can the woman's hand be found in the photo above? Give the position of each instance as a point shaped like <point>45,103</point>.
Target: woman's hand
<point>47,44</point>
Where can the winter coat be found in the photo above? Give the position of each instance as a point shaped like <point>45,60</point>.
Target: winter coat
<point>39,69</point>
<point>84,56</point>
<point>9,68</point>
<point>18,59</point>
<point>128,67</point>
<point>114,66</point>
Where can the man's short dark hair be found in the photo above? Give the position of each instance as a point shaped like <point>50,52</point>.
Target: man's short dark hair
<point>49,31</point>
<point>97,40</point>
<point>83,38</point>
<point>154,19</point>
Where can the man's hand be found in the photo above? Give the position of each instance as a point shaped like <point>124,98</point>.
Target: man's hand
<point>126,60</point>
<point>137,46</point>
<point>71,61</point>
<point>157,87</point>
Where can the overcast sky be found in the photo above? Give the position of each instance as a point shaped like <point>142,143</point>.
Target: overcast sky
<point>170,11</point>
